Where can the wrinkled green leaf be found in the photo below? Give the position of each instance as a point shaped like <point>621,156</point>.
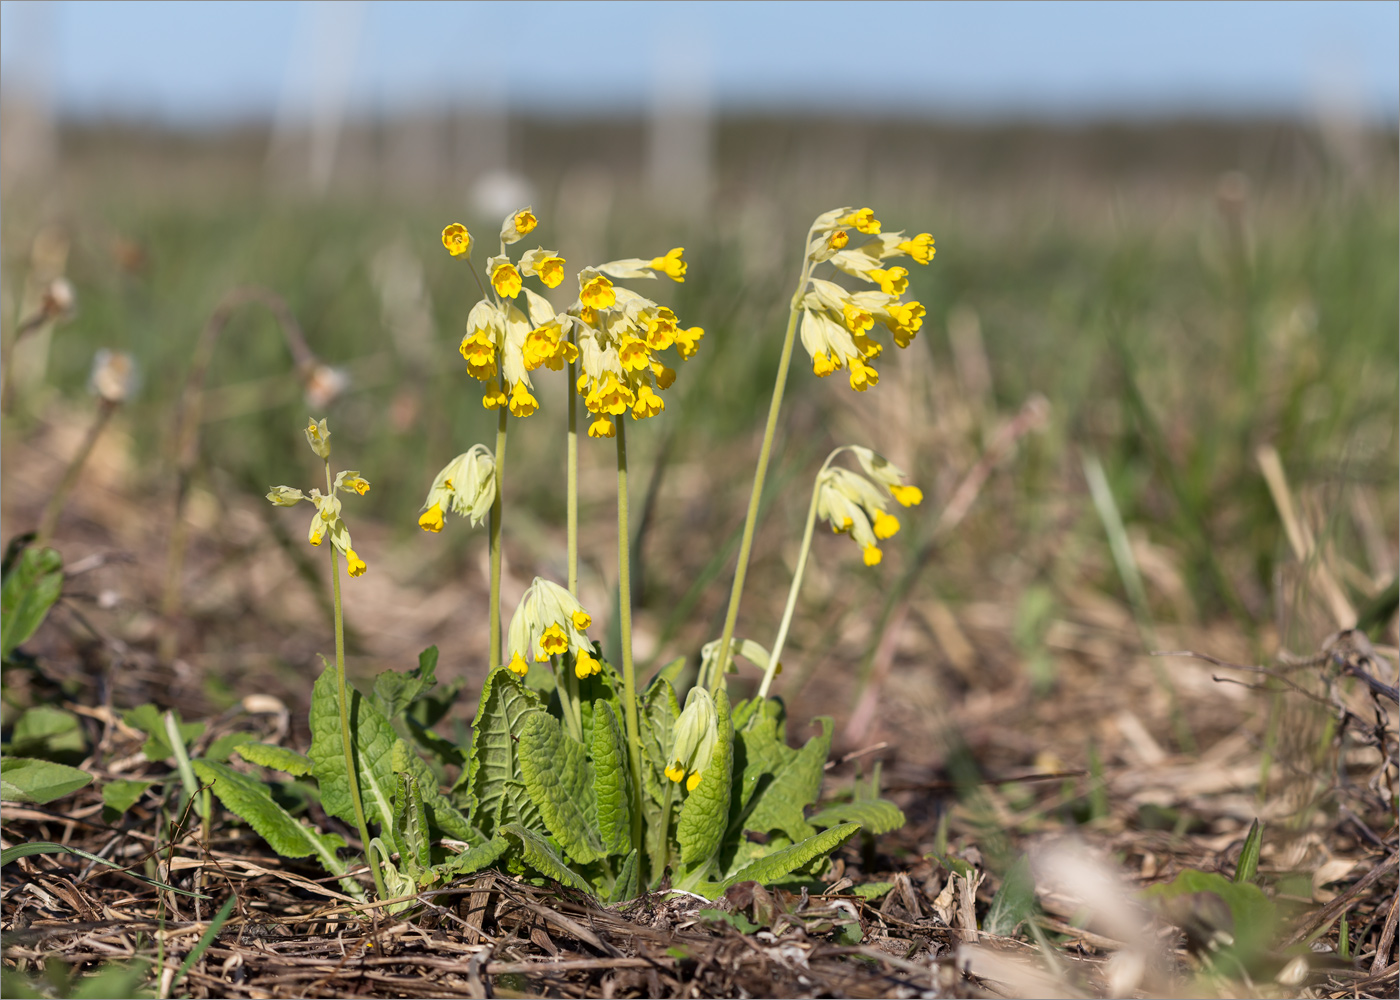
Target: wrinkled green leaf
<point>223,747</point>
<point>494,763</point>
<point>410,829</point>
<point>48,732</point>
<point>613,782</point>
<point>32,585</point>
<point>874,815</point>
<point>151,721</point>
<point>705,812</point>
<point>1248,865</point>
<point>278,758</point>
<point>394,691</point>
<point>780,805</point>
<point>657,721</point>
<point>1014,902</point>
<point>474,859</point>
<point>537,853</point>
<point>24,779</point>
<point>374,740</point>
<point>120,794</point>
<point>250,799</point>
<point>761,753</point>
<point>596,691</point>
<point>625,887</point>
<point>560,781</point>
<point>774,866</point>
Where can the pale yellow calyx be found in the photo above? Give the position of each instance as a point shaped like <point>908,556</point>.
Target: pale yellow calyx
<point>285,496</point>
<point>318,436</point>
<point>544,264</point>
<point>466,486</point>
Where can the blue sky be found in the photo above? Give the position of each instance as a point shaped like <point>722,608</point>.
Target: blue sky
<point>209,62</point>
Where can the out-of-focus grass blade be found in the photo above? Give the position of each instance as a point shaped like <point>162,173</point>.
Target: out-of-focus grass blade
<point>1249,853</point>
<point>46,847</point>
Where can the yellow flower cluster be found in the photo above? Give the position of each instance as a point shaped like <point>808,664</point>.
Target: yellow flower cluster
<point>326,522</point>
<point>549,621</point>
<point>619,335</point>
<point>504,343</point>
<point>465,486</point>
<point>836,323</point>
<point>855,505</point>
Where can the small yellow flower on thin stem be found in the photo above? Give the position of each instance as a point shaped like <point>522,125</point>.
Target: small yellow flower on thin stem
<point>457,240</point>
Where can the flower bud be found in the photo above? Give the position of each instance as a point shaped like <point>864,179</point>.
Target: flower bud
<point>318,436</point>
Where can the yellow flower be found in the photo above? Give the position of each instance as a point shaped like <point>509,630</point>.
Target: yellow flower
<point>661,329</point>
<point>873,555</point>
<point>431,519</point>
<point>633,354</point>
<point>554,642</point>
<point>522,404</point>
<point>857,319</point>
<point>886,525</point>
<point>586,665</point>
<point>505,279</point>
<point>480,354</point>
<point>494,398</point>
<point>671,264</point>
<point>597,293</point>
<point>582,619</point>
<point>602,428</point>
<point>892,281</point>
<point>360,486</point>
<point>921,248</point>
<point>457,240</point>
<point>318,436</point>
<point>664,376</point>
<point>356,564</point>
<point>908,496</point>
<point>674,771</point>
<point>688,339</point>
<point>544,264</point>
<point>518,665</point>
<point>648,404</point>
<point>864,220</point>
<point>905,319</point>
<point>837,239</point>
<point>692,781</point>
<point>862,375</point>
<point>822,365</point>
<point>525,221</point>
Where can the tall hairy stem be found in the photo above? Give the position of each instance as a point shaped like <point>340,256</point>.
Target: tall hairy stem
<point>571,496</point>
<point>343,697</point>
<point>494,614</point>
<point>624,604</point>
<point>736,594</point>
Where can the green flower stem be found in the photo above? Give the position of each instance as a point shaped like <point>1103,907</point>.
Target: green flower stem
<point>343,696</point>
<point>49,521</point>
<point>571,495</point>
<point>624,605</point>
<point>736,594</point>
<point>495,608</point>
<point>573,714</point>
<point>777,651</point>
<point>661,850</point>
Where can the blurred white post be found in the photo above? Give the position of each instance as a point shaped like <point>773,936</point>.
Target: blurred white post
<point>682,124</point>
<point>312,111</point>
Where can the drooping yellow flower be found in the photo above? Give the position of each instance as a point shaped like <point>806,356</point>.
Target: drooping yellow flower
<point>602,428</point>
<point>863,220</point>
<point>687,341</point>
<point>664,376</point>
<point>837,239</point>
<point>518,665</point>
<point>823,365</point>
<point>920,248</point>
<point>505,279</point>
<point>648,404</point>
<point>675,772</point>
<point>857,319</point>
<point>522,404</point>
<point>493,398</point>
<point>554,642</point>
<point>431,519</point>
<point>873,555</point>
<point>544,264</point>
<point>457,240</point>
<point>634,354</point>
<point>886,525</point>
<point>908,496</point>
<point>359,485</point>
<point>356,564</point>
<point>586,665</point>
<point>671,264</point>
<point>892,281</point>
<point>525,222</point>
<point>661,329</point>
<point>597,293</point>
<point>480,354</point>
<point>863,376</point>
<point>582,619</point>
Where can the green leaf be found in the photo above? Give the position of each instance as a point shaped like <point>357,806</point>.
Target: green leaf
<point>225,745</point>
<point>374,740</point>
<point>411,825</point>
<point>596,691</point>
<point>151,721</point>
<point>52,733</point>
<point>1014,902</point>
<point>249,798</point>
<point>114,979</point>
<point>657,721</point>
<point>670,673</point>
<point>394,692</point>
<point>537,853</point>
<point>774,866</point>
<point>625,888</point>
<point>872,891</point>
<point>613,782</point>
<point>560,781</point>
<point>278,758</point>
<point>25,779</point>
<point>474,859</point>
<point>32,585</point>
<point>494,763</point>
<point>11,854</point>
<point>781,804</point>
<point>705,813</point>
<point>873,815</point>
<point>736,920</point>
<point>119,794</point>
<point>1188,898</point>
<point>1248,865</point>
<point>760,753</point>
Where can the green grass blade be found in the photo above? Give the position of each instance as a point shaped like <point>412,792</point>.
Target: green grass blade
<point>205,940</point>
